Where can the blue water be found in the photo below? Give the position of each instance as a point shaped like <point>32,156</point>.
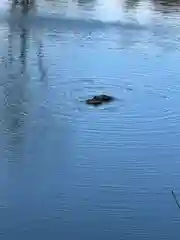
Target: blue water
<point>72,171</point>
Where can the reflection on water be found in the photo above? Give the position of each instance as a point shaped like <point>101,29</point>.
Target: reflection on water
<point>68,170</point>
<point>17,79</point>
<point>76,7</point>
<point>107,10</point>
<point>15,86</point>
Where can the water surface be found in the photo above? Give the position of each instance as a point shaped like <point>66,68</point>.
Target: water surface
<point>71,171</point>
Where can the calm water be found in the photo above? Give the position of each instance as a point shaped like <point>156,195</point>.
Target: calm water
<point>71,171</point>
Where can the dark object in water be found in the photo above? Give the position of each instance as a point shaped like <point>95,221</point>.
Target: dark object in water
<point>175,198</point>
<point>100,99</point>
<point>23,2</point>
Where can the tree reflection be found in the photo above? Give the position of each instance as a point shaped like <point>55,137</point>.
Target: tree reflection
<point>16,83</point>
<point>166,6</point>
<point>160,5</point>
<point>15,87</point>
<point>167,2</point>
<point>23,2</point>
<point>85,3</point>
<point>23,49</point>
<point>42,69</point>
<point>132,3</point>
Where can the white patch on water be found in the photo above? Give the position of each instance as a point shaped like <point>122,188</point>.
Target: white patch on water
<point>109,11</point>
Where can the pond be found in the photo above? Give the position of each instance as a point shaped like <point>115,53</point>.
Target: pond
<point>73,171</point>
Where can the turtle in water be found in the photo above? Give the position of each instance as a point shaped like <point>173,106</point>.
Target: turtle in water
<point>99,99</point>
